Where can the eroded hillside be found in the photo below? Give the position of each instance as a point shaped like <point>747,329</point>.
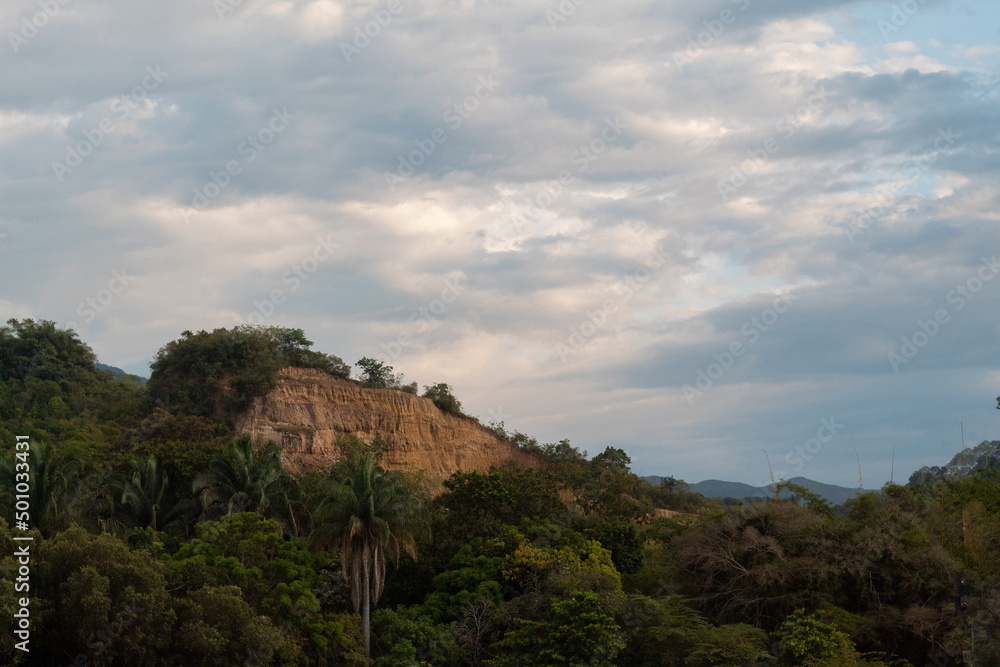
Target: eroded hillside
<point>309,410</point>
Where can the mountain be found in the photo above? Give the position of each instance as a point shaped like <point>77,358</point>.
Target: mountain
<point>308,410</point>
<point>984,455</point>
<point>118,371</point>
<point>714,488</point>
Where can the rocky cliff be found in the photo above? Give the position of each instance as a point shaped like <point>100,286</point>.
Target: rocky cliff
<point>309,410</point>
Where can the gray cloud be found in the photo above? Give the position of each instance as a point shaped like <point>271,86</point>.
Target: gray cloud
<point>849,213</point>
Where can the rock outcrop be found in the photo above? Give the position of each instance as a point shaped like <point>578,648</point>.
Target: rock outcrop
<point>308,410</point>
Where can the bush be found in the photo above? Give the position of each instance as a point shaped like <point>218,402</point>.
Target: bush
<point>441,394</point>
<point>217,374</point>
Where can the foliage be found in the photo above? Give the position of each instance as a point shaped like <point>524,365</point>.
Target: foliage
<point>217,627</point>
<point>480,504</point>
<point>217,374</point>
<point>144,498</point>
<point>83,583</point>
<point>51,390</point>
<point>378,375</point>
<point>277,578</point>
<point>412,639</point>
<point>802,636</point>
<point>441,394</point>
<point>585,565</point>
<point>565,564</point>
<point>580,631</point>
<point>246,478</point>
<point>815,502</point>
<point>373,514</point>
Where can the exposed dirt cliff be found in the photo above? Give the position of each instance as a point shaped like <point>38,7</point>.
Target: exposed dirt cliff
<point>309,410</point>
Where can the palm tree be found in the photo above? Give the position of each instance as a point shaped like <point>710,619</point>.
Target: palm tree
<point>245,479</point>
<point>373,513</point>
<point>144,499</point>
<point>52,475</point>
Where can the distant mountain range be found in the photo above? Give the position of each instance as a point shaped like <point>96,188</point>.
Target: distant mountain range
<point>984,455</point>
<point>715,488</point>
<point>118,371</point>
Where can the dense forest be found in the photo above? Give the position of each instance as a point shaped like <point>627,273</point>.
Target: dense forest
<point>160,537</point>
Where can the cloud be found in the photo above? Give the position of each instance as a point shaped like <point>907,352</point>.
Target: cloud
<point>535,168</point>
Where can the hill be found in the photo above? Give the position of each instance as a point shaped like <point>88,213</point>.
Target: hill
<point>308,410</point>
<point>117,372</point>
<point>971,459</point>
<point>715,488</point>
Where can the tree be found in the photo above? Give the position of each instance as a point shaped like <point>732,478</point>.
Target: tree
<point>217,627</point>
<point>803,636</point>
<point>218,374</point>
<point>245,479</point>
<point>375,374</point>
<point>95,596</point>
<point>144,498</point>
<point>373,513</point>
<point>441,394</point>
<point>580,631</point>
<point>54,475</point>
<point>277,577</point>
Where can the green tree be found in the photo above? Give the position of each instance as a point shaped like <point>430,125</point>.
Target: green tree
<point>375,374</point>
<point>83,585</point>
<point>480,504</point>
<point>803,636</point>
<point>51,390</point>
<point>145,498</point>
<point>372,513</point>
<point>216,627</point>
<point>55,477</point>
<point>441,394</point>
<point>245,478</point>
<point>217,374</point>
<point>277,577</point>
<point>580,631</point>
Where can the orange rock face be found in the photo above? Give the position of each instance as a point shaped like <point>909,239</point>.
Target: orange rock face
<point>309,410</point>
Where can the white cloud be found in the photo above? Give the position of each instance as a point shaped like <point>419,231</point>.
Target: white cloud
<point>530,280</point>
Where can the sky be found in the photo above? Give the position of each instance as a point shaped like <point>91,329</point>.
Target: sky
<point>697,231</point>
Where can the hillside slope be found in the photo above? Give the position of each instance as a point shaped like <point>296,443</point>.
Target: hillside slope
<point>309,410</point>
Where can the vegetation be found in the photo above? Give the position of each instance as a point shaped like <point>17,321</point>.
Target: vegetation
<point>371,513</point>
<point>378,375</point>
<point>161,538</point>
<point>441,394</point>
<point>217,374</point>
